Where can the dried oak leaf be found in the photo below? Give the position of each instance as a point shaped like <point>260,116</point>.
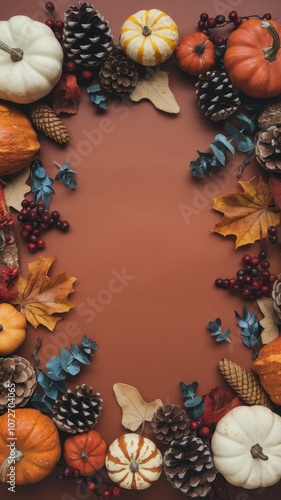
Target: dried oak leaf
<point>270,321</point>
<point>247,215</point>
<point>155,88</point>
<point>42,298</point>
<point>66,95</point>
<point>134,409</point>
<point>17,188</point>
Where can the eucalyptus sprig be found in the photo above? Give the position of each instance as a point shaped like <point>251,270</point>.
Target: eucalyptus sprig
<point>250,330</point>
<point>195,404</point>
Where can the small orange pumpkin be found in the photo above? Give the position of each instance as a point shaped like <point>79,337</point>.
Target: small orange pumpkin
<point>252,58</point>
<point>33,449</point>
<point>268,367</point>
<point>85,452</point>
<point>12,329</point>
<point>18,140</point>
<point>196,54</point>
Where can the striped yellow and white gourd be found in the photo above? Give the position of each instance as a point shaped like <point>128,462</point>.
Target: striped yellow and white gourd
<point>133,462</point>
<point>149,37</point>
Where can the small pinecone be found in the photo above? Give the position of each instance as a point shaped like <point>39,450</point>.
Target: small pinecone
<point>77,411</point>
<point>17,381</point>
<point>216,96</point>
<point>46,121</point>
<point>245,383</point>
<point>118,74</point>
<point>189,466</point>
<point>276,295</point>
<point>268,138</point>
<point>170,423</point>
<point>87,37</point>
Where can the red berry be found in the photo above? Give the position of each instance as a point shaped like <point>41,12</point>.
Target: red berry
<point>265,289</point>
<point>193,425</point>
<point>33,238</point>
<point>46,217</point>
<point>50,6</point>
<point>40,209</point>
<point>232,15</point>
<point>255,285</point>
<point>116,491</point>
<point>25,203</point>
<point>27,227</point>
<point>59,25</point>
<point>32,247</point>
<point>267,16</point>
<point>272,230</point>
<point>237,22</point>
<point>55,215</point>
<point>87,74</point>
<point>272,278</point>
<point>70,66</point>
<point>24,212</point>
<point>204,16</point>
<point>50,23</point>
<point>204,431</point>
<point>219,282</point>
<point>40,244</point>
<point>106,494</point>
<point>58,36</point>
<point>206,32</point>
<point>265,264</point>
<point>76,473</point>
<point>24,234</point>
<point>220,19</point>
<point>67,471</point>
<point>32,215</point>
<point>211,23</point>
<point>219,40</point>
<point>254,261</point>
<point>91,486</point>
<point>64,225</point>
<point>201,25</point>
<point>246,258</point>
<point>32,204</point>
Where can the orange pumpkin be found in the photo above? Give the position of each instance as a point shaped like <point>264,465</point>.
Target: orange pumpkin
<point>12,329</point>
<point>85,452</point>
<point>268,368</point>
<point>18,140</point>
<point>196,54</point>
<point>29,442</point>
<point>252,58</point>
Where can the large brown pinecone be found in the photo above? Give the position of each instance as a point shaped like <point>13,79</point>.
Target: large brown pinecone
<point>216,96</point>
<point>189,466</point>
<point>170,423</point>
<point>77,411</point>
<point>87,37</point>
<point>276,295</point>
<point>268,137</point>
<point>17,381</point>
<point>118,74</point>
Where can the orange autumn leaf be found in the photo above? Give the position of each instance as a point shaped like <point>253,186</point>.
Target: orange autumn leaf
<point>247,215</point>
<point>42,298</point>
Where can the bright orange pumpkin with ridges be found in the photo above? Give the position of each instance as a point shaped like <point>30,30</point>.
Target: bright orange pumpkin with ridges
<point>196,54</point>
<point>18,140</point>
<point>12,329</point>
<point>252,58</point>
<point>85,452</point>
<point>268,367</point>
<point>37,445</point>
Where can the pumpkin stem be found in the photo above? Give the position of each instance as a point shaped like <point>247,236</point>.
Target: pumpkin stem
<point>134,466</point>
<point>146,31</point>
<point>17,456</point>
<point>199,49</point>
<point>1,328</point>
<point>271,52</point>
<point>84,456</point>
<point>257,452</point>
<point>16,54</point>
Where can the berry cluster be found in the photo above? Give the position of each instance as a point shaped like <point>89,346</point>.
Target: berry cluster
<point>91,483</point>
<point>272,234</point>
<point>200,428</point>
<point>206,23</point>
<point>253,280</point>
<point>36,219</point>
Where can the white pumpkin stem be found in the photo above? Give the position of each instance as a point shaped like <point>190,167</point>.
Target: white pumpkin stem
<point>146,31</point>
<point>270,53</point>
<point>7,463</point>
<point>257,452</point>
<point>16,54</point>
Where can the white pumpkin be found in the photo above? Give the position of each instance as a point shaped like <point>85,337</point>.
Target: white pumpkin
<point>246,447</point>
<point>149,37</point>
<point>34,68</point>
<point>133,462</point>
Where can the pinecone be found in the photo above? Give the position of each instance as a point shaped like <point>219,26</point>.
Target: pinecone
<point>17,381</point>
<point>276,295</point>
<point>189,466</point>
<point>77,411</point>
<point>118,74</point>
<point>170,422</point>
<point>46,121</point>
<point>268,137</point>
<point>216,96</point>
<point>245,383</point>
<point>87,37</point>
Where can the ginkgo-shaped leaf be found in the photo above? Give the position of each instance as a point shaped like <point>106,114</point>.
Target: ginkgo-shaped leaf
<point>270,320</point>
<point>155,88</point>
<point>247,215</point>
<point>42,298</point>
<point>134,409</point>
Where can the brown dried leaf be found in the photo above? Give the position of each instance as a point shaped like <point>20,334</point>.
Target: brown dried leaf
<point>17,188</point>
<point>155,88</point>
<point>270,321</point>
<point>134,409</point>
<point>40,298</point>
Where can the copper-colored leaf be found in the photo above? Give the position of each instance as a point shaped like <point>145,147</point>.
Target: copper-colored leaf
<point>155,88</point>
<point>134,409</point>
<point>270,321</point>
<point>247,215</point>
<point>16,189</point>
<point>42,298</point>
<point>66,95</point>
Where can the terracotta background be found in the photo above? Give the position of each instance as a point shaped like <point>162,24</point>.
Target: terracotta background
<point>137,209</point>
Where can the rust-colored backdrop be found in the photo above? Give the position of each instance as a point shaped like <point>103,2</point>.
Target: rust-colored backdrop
<point>141,244</point>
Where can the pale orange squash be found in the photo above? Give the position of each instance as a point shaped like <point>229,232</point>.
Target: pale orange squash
<point>268,368</point>
<point>12,329</point>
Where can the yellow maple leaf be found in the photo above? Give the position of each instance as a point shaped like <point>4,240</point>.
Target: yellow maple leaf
<point>247,215</point>
<point>42,298</point>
